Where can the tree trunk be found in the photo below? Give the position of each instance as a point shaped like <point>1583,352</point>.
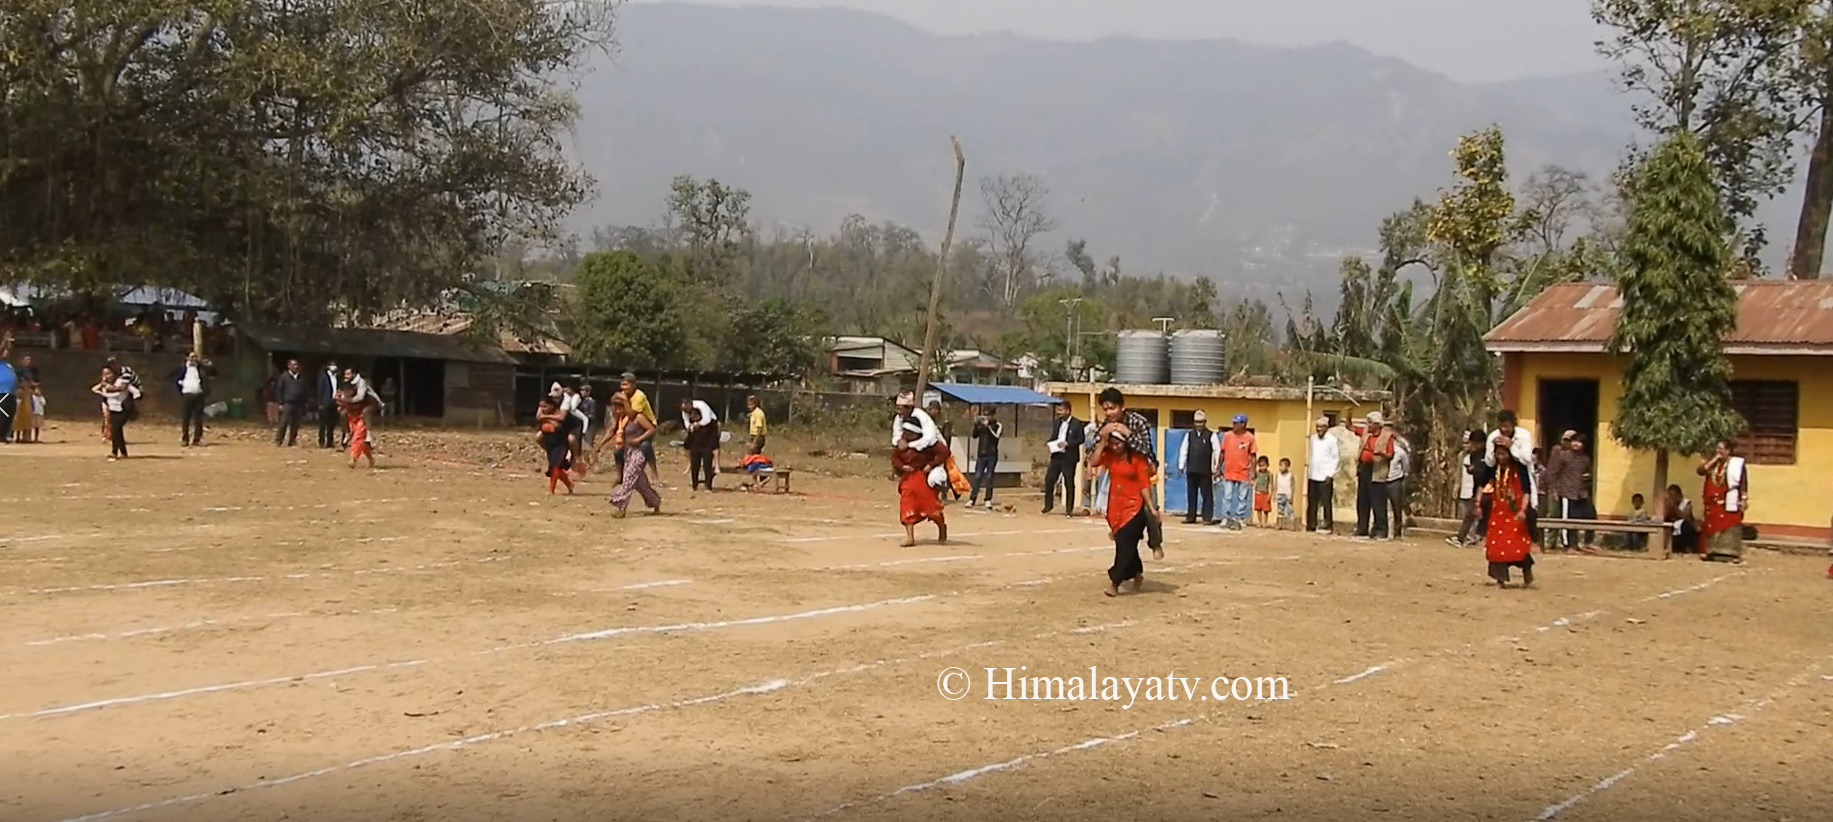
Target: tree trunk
<point>1816,204</point>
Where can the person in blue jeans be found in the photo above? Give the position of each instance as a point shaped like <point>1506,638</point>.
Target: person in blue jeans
<point>987,431</point>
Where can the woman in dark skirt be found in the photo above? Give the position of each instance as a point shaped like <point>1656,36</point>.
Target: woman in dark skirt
<point>555,441</point>
<point>701,442</point>
<point>1129,507</point>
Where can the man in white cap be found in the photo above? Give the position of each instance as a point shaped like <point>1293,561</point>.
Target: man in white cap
<point>1196,461</point>
<point>907,411</point>
<point>1373,466</point>
<point>1323,459</point>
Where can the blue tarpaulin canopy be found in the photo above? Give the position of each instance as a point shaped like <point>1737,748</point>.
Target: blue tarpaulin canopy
<point>992,394</point>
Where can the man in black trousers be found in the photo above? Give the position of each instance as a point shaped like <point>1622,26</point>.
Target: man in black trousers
<point>1065,444</point>
<point>324,398</point>
<point>1198,463</point>
<point>193,382</point>
<point>291,393</point>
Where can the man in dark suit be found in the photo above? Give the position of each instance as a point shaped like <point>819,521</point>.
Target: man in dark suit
<point>291,393</point>
<point>193,383</point>
<point>324,398</point>
<point>1065,444</point>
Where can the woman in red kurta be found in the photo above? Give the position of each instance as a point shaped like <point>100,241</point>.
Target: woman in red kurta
<point>1508,539</point>
<point>917,499</point>
<point>1129,507</point>
<point>1726,494</point>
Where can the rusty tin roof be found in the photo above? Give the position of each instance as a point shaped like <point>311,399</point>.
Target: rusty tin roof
<point>1774,317</point>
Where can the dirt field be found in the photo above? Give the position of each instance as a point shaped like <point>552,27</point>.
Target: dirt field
<point>241,632</point>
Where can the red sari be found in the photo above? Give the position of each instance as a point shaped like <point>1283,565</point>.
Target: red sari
<point>1718,520</point>
<point>1507,541</point>
<point>917,501</point>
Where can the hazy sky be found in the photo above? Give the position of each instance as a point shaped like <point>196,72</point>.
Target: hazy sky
<point>1472,40</point>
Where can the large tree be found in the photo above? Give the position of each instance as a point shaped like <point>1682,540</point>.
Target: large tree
<point>1677,308</point>
<point>1719,70</point>
<point>628,311</point>
<point>288,160</point>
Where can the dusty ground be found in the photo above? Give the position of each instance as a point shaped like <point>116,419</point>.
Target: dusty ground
<point>240,632</point>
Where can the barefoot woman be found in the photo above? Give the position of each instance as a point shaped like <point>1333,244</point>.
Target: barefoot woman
<point>1129,506</point>
<point>917,500</point>
<point>356,405</point>
<point>632,433</point>
<point>1507,540</point>
<point>1727,493</point>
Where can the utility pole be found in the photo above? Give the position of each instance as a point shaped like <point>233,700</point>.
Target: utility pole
<point>1069,333</point>
<point>928,357</point>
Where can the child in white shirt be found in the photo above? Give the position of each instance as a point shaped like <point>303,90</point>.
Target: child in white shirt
<point>1282,495</point>
<point>38,414</point>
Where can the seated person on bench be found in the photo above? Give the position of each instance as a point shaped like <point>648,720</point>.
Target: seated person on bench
<point>1638,515</point>
<point>1678,514</point>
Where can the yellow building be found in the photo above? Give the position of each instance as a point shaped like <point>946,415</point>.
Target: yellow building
<point>1281,419</point>
<point>1557,376</point>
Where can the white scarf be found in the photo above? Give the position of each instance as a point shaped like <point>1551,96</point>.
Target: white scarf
<point>1734,479</point>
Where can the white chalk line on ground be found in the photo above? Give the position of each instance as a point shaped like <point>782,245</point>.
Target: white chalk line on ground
<point>1722,720</point>
<point>681,627</point>
<point>893,534</point>
<point>640,586</point>
<point>761,688</point>
<point>324,574</point>
<point>973,773</point>
<point>198,625</point>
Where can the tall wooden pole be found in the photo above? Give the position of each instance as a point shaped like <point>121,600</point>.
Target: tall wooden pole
<point>935,286</point>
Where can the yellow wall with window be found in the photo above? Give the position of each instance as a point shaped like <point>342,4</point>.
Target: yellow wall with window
<point>1786,500</point>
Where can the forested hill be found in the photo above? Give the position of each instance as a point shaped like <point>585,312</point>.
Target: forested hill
<point>1251,164</point>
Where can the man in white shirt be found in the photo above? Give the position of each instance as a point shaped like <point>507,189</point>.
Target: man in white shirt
<point>193,379</point>
<point>1467,491</point>
<point>1397,484</point>
<point>1520,443</point>
<point>1324,459</point>
<point>1065,446</point>
<point>907,410</point>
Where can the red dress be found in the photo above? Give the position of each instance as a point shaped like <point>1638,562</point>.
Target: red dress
<point>1127,481</point>
<point>917,501</point>
<point>1507,540</point>
<point>1719,520</point>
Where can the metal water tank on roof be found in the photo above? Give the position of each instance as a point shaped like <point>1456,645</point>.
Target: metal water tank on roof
<point>1199,357</point>
<point>1142,358</point>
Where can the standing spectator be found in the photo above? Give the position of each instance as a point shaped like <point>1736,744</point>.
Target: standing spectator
<point>192,379</point>
<point>1568,484</point>
<point>9,384</point>
<point>1467,490</point>
<point>324,398</point>
<point>588,408</point>
<point>987,431</point>
<point>1238,461</point>
<point>1373,465</point>
<point>1065,445</point>
<point>1094,477</point>
<point>1323,460</point>
<point>1397,482</point>
<point>26,398</point>
<point>291,393</point>
<point>757,426</point>
<point>1197,462</point>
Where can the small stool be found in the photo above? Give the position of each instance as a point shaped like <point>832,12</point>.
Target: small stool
<point>782,479</point>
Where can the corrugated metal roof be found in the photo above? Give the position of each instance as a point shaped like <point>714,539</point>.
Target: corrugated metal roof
<point>430,322</point>
<point>1774,316</point>
<point>373,342</point>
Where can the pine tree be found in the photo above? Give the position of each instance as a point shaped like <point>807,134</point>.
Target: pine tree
<point>1678,305</point>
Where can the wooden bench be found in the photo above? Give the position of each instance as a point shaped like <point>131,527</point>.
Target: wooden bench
<point>1662,534</point>
<point>758,479</point>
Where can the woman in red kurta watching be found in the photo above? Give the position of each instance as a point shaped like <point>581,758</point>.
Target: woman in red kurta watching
<point>1129,507</point>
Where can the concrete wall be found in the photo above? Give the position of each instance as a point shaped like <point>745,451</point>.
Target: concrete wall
<point>1788,500</point>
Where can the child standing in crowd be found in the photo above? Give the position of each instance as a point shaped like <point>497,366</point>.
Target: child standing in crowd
<point>1282,495</point>
<point>38,413</point>
<point>1263,492</point>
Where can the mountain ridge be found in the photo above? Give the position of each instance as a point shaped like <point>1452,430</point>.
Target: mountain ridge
<point>1257,165</point>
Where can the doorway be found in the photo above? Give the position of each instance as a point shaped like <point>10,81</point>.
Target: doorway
<point>1567,405</point>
